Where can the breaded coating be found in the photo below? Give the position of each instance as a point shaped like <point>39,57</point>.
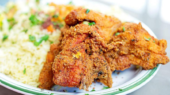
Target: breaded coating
<point>139,46</point>
<point>107,24</point>
<point>46,75</point>
<point>72,66</point>
<point>92,52</point>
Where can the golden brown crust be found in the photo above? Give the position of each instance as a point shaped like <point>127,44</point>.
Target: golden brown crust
<point>107,24</point>
<point>87,53</point>
<point>46,74</point>
<point>139,46</point>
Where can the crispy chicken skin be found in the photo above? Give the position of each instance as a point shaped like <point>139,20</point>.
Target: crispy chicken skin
<point>87,53</point>
<point>46,75</point>
<point>138,47</point>
<point>107,24</point>
<point>68,65</point>
<point>73,66</point>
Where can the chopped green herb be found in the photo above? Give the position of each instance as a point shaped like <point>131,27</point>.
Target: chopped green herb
<point>34,20</point>
<point>24,71</point>
<point>52,94</point>
<point>55,16</point>
<point>11,22</point>
<point>58,24</point>
<point>47,15</point>
<point>106,87</point>
<point>117,33</point>
<point>37,43</point>
<point>32,38</point>
<point>92,90</point>
<point>124,29</point>
<point>13,42</point>
<point>147,39</point>
<point>51,42</point>
<point>87,11</point>
<point>10,27</point>
<point>5,37</point>
<point>91,23</point>
<point>61,25</point>
<point>86,94</point>
<point>55,23</point>
<point>37,1</point>
<point>120,89</point>
<point>18,59</point>
<point>37,86</point>
<point>25,30</point>
<point>45,38</point>
<point>70,3</point>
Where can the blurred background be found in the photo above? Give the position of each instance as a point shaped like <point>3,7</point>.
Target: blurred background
<point>156,15</point>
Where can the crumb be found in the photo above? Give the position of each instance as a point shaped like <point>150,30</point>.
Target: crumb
<point>52,89</point>
<point>118,73</point>
<point>64,90</point>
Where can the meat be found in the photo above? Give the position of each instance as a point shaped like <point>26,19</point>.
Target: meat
<point>69,66</point>
<point>92,52</point>
<point>107,24</point>
<point>139,47</point>
<point>46,75</point>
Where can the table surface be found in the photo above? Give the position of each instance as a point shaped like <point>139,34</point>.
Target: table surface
<point>160,84</point>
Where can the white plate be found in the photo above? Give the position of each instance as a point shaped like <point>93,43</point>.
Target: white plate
<point>125,82</point>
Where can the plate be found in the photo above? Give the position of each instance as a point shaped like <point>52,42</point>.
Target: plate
<point>124,81</point>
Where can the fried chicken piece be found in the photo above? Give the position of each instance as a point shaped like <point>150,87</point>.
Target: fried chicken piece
<point>101,69</point>
<point>46,74</point>
<point>93,52</point>
<point>107,24</point>
<point>72,66</point>
<point>116,52</point>
<point>138,47</point>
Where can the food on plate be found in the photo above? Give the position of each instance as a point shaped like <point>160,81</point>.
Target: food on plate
<point>93,45</point>
<point>47,45</point>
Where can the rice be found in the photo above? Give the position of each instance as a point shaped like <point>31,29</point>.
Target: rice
<point>20,59</point>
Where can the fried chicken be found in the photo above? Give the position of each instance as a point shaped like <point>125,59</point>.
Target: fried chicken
<point>46,75</point>
<point>73,66</point>
<point>138,47</point>
<point>69,66</point>
<point>92,52</point>
<point>107,24</point>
